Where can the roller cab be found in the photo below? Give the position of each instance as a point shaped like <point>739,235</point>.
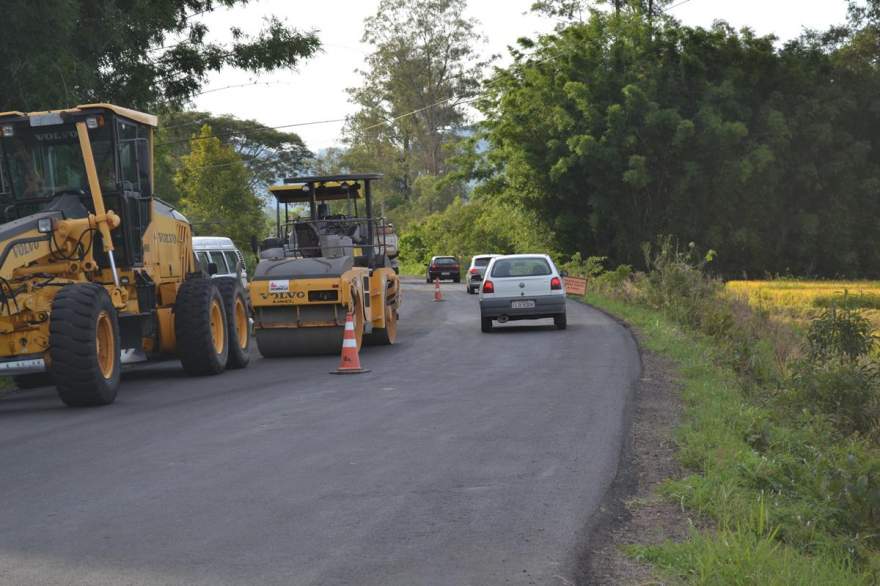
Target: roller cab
<point>329,257</point>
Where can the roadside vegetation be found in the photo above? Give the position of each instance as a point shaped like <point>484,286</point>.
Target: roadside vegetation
<point>781,438</point>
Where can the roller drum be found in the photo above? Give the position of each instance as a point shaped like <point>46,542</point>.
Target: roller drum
<point>281,342</point>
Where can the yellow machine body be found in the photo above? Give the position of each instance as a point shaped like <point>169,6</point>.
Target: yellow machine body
<point>43,251</point>
<point>305,285</point>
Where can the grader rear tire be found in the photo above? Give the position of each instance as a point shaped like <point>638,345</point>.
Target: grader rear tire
<point>200,328</point>
<point>237,324</point>
<point>84,345</point>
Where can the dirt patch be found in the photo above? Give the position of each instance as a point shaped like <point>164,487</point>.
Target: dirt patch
<point>633,513</point>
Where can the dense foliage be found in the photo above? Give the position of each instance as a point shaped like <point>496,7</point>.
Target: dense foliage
<point>137,53</point>
<point>268,154</point>
<point>617,129</point>
<point>215,190</point>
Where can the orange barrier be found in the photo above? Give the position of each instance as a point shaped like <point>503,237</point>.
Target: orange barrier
<point>575,286</point>
<point>437,295</point>
<point>350,362</point>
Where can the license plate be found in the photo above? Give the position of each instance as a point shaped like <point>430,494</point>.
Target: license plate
<point>522,304</point>
<point>445,274</point>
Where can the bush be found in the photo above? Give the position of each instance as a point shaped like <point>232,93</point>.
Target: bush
<point>839,333</point>
<point>847,391</point>
<point>675,280</point>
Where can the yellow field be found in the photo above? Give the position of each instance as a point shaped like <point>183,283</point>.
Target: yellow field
<point>798,301</point>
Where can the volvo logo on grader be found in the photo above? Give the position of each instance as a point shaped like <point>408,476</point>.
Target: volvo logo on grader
<point>25,248</point>
<point>166,238</point>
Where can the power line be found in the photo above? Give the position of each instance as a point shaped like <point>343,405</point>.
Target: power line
<point>383,123</point>
<point>238,85</point>
<point>676,5</point>
<point>299,124</point>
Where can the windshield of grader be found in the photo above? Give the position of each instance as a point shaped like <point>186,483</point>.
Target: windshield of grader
<point>39,163</point>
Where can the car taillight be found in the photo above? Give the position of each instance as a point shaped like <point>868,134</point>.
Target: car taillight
<point>488,287</point>
<point>433,267</point>
<point>475,271</point>
<point>555,284</point>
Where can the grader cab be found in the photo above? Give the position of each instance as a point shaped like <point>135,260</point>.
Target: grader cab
<point>94,270</point>
<point>330,257</point>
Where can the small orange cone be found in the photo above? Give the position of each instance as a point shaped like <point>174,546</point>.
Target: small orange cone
<point>351,362</point>
<point>437,295</point>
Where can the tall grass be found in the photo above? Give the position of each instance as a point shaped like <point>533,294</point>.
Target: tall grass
<point>779,439</point>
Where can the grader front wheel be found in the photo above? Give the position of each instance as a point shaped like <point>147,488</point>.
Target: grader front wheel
<point>84,345</point>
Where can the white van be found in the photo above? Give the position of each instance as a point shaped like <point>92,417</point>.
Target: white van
<point>222,252</point>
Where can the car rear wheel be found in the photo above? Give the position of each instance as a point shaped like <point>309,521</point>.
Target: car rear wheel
<point>486,324</point>
<point>560,321</point>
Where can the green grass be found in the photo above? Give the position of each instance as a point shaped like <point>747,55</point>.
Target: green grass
<point>753,480</point>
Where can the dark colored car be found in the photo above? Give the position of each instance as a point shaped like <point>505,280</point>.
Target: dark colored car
<point>443,267</point>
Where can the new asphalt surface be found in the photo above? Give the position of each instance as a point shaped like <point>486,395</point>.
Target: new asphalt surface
<point>463,458</point>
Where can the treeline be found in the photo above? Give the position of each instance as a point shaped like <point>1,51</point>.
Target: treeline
<point>626,125</point>
<point>157,57</point>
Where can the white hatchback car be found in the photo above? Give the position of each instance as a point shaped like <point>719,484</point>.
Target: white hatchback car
<point>522,286</point>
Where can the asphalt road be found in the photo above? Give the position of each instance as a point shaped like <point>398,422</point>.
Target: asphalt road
<point>463,459</point>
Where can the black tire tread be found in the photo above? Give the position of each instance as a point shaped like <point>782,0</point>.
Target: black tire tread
<point>74,364</point>
<point>32,380</point>
<point>560,321</point>
<point>230,288</point>
<point>192,328</point>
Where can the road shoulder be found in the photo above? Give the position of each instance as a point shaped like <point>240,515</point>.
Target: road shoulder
<point>633,512</point>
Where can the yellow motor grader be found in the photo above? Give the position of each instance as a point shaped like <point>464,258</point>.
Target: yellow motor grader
<point>94,270</point>
<point>335,259</point>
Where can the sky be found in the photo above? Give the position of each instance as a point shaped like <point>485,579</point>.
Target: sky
<point>316,90</point>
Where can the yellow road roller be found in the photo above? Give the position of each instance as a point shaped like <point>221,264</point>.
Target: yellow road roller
<point>329,257</point>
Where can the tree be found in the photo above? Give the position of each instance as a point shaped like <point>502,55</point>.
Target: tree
<point>269,155</point>
<point>215,191</point>
<point>424,66</point>
<point>329,161</point>
<point>579,10</point>
<point>138,53</point>
<point>615,130</point>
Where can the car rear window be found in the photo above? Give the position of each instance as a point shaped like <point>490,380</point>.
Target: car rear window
<point>445,261</point>
<point>217,259</point>
<point>203,260</point>
<point>231,260</point>
<point>521,267</point>
<point>482,261</point>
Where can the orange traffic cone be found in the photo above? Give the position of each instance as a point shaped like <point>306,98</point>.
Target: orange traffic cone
<point>437,295</point>
<point>350,363</point>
